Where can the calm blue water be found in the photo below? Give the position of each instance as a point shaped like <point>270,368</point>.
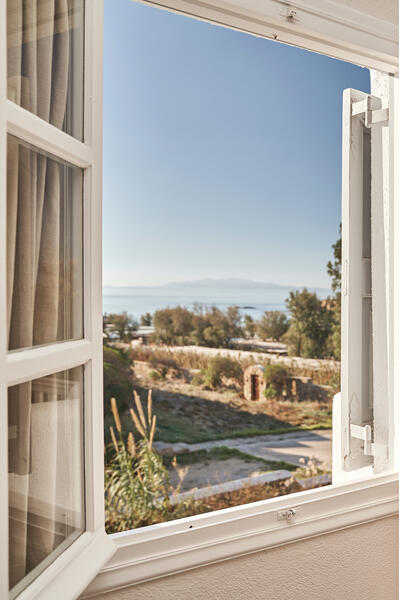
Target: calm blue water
<point>253,302</point>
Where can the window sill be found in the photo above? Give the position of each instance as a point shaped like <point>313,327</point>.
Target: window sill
<point>71,571</point>
<point>168,548</point>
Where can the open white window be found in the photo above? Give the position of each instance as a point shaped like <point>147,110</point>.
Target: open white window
<point>365,418</point>
<point>53,541</point>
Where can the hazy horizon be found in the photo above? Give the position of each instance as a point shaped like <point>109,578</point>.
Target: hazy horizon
<point>227,282</point>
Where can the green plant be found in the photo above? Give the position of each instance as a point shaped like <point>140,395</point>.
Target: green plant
<point>155,375</point>
<point>137,486</point>
<point>164,365</point>
<point>311,325</point>
<point>275,377</point>
<point>270,392</point>
<point>117,375</point>
<point>222,366</point>
<point>198,378</point>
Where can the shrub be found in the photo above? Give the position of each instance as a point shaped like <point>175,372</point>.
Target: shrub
<point>270,392</point>
<point>137,486</point>
<point>164,365</point>
<point>198,378</point>
<point>154,375</point>
<point>275,378</point>
<point>222,366</point>
<point>118,375</point>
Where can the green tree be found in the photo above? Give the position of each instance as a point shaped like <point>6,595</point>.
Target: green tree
<point>273,325</point>
<point>146,319</point>
<point>334,270</point>
<point>202,326</point>
<point>249,326</point>
<point>310,325</point>
<point>173,325</point>
<point>123,324</point>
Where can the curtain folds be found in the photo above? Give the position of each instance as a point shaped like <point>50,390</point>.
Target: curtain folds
<point>38,72</point>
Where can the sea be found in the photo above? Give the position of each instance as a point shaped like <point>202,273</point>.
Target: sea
<point>254,302</point>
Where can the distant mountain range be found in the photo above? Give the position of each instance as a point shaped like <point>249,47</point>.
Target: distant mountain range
<point>230,283</point>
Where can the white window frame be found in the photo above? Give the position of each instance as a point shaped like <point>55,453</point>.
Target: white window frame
<point>160,550</point>
<point>71,571</point>
<point>143,554</point>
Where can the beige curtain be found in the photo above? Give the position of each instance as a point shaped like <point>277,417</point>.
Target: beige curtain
<point>38,66</point>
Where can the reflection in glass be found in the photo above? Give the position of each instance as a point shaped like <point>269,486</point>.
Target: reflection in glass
<point>46,498</point>
<point>44,248</point>
<point>45,60</point>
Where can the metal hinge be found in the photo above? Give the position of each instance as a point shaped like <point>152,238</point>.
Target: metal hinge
<point>364,433</point>
<point>372,116</point>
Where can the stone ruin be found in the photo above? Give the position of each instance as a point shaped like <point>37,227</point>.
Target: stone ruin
<point>254,383</point>
<point>295,389</point>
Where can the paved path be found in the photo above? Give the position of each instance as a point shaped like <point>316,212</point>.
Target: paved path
<point>290,447</point>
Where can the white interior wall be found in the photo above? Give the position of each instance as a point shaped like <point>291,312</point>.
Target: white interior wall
<point>358,563</point>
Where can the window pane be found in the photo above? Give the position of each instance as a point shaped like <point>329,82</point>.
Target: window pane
<point>45,60</point>
<point>46,485</point>
<point>44,248</point>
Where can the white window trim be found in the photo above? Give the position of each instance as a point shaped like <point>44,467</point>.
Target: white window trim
<point>321,26</point>
<point>160,550</point>
<point>168,548</point>
<point>69,573</point>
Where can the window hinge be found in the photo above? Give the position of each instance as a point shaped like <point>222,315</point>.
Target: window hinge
<point>372,116</point>
<point>370,448</point>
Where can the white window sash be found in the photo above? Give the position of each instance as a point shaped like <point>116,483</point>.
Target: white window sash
<point>72,570</point>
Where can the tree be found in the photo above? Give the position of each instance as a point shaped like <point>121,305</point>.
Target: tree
<point>146,319</point>
<point>334,270</point>
<point>249,326</point>
<point>273,325</point>
<point>201,326</point>
<point>123,324</point>
<point>310,325</point>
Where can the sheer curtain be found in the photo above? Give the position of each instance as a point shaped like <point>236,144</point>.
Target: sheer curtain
<point>43,291</point>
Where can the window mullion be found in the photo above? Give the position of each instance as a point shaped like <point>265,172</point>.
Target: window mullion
<point>37,362</point>
<point>28,127</point>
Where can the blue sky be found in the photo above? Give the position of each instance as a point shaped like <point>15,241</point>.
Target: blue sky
<point>222,152</point>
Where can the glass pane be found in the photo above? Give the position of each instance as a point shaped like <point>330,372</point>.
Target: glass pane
<point>46,483</point>
<point>44,248</point>
<point>45,60</point>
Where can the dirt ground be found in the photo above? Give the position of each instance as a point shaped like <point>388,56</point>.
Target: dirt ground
<point>191,413</point>
<point>212,472</point>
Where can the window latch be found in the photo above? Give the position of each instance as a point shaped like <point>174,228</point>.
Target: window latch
<point>364,432</point>
<point>287,515</point>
